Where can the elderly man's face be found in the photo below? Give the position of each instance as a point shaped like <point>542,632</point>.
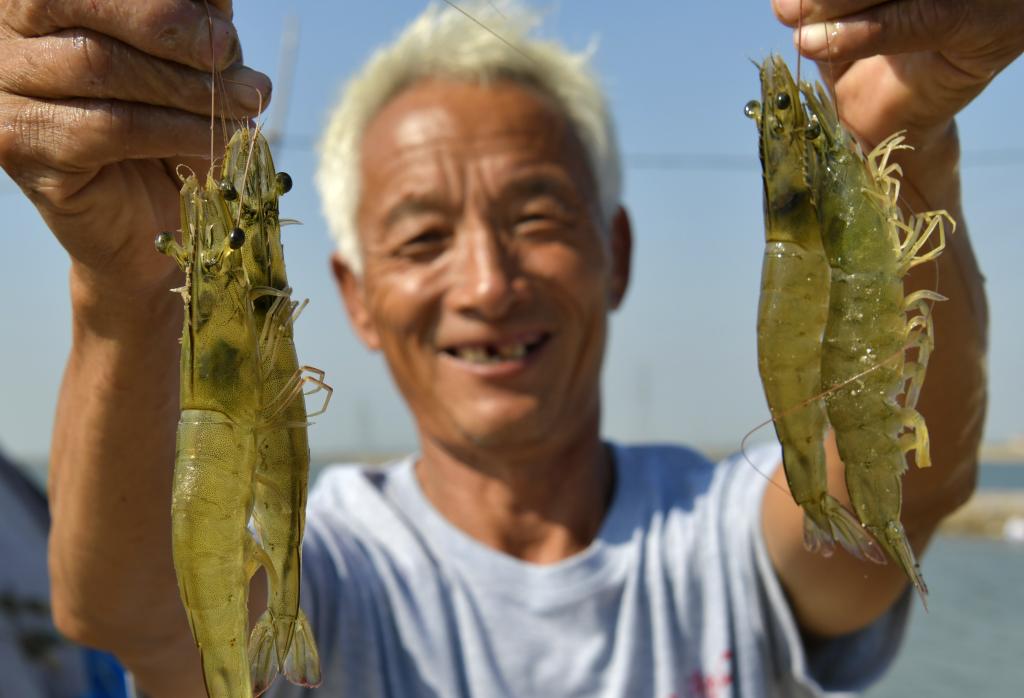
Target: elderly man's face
<point>487,278</point>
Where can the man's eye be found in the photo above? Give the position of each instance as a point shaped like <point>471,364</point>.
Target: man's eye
<point>429,237</point>
<point>430,241</point>
<point>528,218</point>
<point>537,223</point>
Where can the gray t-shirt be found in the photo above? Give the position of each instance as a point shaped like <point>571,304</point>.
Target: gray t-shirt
<point>676,597</point>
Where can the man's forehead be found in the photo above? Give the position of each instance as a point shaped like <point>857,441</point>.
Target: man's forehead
<point>461,116</point>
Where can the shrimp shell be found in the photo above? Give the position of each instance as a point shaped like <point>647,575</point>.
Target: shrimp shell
<point>864,370</point>
<point>214,553</point>
<point>282,640</point>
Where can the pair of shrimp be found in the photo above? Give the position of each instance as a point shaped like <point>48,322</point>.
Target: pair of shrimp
<point>833,326</point>
<point>793,311</point>
<point>242,448</point>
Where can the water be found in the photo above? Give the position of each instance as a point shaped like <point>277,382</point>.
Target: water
<point>971,641</point>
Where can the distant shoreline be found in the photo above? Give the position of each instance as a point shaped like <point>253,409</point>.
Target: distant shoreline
<point>1003,454</point>
<point>988,514</point>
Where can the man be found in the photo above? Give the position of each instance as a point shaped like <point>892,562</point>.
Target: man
<point>517,554</point>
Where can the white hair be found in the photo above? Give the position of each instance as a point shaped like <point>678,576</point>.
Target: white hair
<point>482,44</point>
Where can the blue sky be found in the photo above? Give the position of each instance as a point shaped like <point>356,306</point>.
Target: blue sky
<point>681,364</point>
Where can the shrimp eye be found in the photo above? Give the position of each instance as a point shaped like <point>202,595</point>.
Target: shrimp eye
<point>752,109</point>
<point>228,189</point>
<point>813,130</point>
<point>163,242</point>
<point>236,239</point>
<point>284,182</point>
<point>782,100</point>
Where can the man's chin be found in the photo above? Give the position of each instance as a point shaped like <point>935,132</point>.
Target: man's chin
<point>523,424</point>
<point>504,435</point>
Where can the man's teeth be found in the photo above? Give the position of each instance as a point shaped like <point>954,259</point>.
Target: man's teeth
<point>512,351</point>
<point>476,355</point>
<point>491,354</point>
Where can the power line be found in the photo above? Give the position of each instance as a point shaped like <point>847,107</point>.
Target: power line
<point>731,162</point>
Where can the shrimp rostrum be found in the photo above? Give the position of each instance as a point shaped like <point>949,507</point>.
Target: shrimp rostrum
<point>793,310</point>
<point>214,552</point>
<point>871,323</point>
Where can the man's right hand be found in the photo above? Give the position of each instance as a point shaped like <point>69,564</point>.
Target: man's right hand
<point>99,102</point>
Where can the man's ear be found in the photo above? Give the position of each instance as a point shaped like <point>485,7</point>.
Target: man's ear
<point>350,286</point>
<point>621,246</point>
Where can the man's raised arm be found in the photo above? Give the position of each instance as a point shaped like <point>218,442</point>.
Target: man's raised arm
<point>99,100</point>
<point>936,57</point>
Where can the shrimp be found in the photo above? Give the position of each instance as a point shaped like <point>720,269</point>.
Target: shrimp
<point>214,553</point>
<point>282,639</point>
<point>792,313</point>
<point>870,248</point>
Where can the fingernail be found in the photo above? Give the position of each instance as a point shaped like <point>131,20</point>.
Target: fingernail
<point>788,10</point>
<point>248,88</point>
<point>816,39</point>
<point>217,42</point>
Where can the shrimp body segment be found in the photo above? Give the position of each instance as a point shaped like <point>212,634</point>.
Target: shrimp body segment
<point>792,313</point>
<point>864,369</point>
<point>282,640</point>
<point>214,553</point>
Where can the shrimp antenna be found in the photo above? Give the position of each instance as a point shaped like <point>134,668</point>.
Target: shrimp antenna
<point>831,73</point>
<point>799,38</point>
<point>743,452</point>
<point>804,403</point>
<point>217,81</point>
<point>213,78</point>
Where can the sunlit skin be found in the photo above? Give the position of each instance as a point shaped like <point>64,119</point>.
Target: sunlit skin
<point>487,281</point>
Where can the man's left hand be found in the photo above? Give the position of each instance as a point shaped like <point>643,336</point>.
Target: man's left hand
<point>906,64</point>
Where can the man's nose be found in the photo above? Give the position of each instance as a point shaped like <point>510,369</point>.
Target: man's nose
<point>486,273</point>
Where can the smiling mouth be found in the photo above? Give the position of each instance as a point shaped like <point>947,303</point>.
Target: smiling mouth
<point>491,354</point>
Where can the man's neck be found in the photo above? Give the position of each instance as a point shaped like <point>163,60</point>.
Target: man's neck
<point>541,506</point>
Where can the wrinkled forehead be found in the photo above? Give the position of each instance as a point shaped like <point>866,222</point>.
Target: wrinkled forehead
<point>442,119</point>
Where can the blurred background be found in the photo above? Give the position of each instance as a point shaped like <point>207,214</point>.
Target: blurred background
<point>681,364</point>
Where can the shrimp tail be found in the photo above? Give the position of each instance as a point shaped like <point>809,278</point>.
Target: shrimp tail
<point>302,663</point>
<point>269,638</point>
<point>895,542</point>
<point>833,522</point>
<point>263,663</point>
<point>817,538</point>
